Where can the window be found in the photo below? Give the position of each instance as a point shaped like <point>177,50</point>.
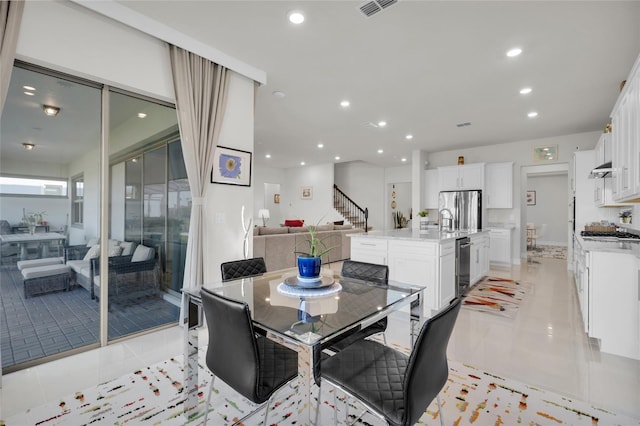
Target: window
<point>33,186</point>
<point>77,200</point>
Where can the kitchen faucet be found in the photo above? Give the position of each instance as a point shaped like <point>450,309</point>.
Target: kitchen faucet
<point>442,219</point>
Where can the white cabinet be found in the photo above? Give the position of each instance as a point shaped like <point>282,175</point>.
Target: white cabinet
<point>613,302</point>
<point>454,178</point>
<point>447,273</point>
<point>499,185</point>
<point>625,131</point>
<point>431,189</point>
<point>479,257</point>
<point>603,193</point>
<point>500,246</point>
<point>370,250</point>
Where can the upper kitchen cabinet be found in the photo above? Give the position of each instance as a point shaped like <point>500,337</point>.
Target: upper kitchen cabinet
<point>625,132</point>
<point>604,193</point>
<point>455,178</point>
<point>499,185</point>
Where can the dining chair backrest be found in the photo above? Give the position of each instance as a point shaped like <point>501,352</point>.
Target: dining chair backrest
<point>428,370</point>
<point>365,271</point>
<point>232,353</point>
<point>236,269</point>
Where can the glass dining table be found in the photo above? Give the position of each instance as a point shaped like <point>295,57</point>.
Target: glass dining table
<point>304,319</point>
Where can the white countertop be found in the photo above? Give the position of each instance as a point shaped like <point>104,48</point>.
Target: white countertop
<point>500,225</point>
<point>409,234</point>
<point>624,247</point>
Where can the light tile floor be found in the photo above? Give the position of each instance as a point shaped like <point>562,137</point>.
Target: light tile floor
<point>542,346</point>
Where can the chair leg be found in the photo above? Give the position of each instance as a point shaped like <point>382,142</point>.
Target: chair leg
<point>440,410</point>
<point>206,407</point>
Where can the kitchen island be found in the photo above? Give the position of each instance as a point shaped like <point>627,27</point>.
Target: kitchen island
<point>428,259</point>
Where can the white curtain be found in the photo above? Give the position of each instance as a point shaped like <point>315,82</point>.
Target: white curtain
<point>10,18</point>
<point>201,97</point>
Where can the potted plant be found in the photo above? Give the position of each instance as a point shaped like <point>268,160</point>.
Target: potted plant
<point>310,261</point>
<point>625,216</point>
<point>424,220</point>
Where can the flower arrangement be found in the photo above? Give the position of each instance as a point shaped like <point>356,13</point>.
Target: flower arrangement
<point>625,216</point>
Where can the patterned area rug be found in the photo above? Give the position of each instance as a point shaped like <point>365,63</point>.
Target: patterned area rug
<point>549,252</point>
<point>155,396</point>
<point>500,296</point>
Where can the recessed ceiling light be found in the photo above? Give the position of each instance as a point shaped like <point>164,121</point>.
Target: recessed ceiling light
<point>409,137</point>
<point>51,111</point>
<point>28,146</point>
<point>382,123</point>
<point>337,157</point>
<point>514,52</point>
<point>29,88</point>
<point>525,90</point>
<point>29,93</point>
<point>403,160</point>
<point>320,145</point>
<point>345,104</point>
<point>278,94</point>
<point>532,114</point>
<point>302,163</point>
<point>380,151</point>
<point>141,115</point>
<point>296,17</point>
<point>267,156</point>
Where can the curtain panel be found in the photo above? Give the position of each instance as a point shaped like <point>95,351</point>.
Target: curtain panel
<point>10,18</point>
<point>201,88</point>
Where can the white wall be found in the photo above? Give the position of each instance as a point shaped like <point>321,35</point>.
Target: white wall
<point>551,210</point>
<point>270,175</point>
<point>364,183</point>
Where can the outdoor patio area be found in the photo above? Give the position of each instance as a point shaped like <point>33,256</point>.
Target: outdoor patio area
<point>56,322</point>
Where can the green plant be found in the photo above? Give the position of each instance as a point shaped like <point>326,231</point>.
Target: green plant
<point>626,213</point>
<point>316,245</point>
<point>423,213</point>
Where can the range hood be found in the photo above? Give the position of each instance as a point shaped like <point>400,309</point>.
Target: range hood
<point>601,171</point>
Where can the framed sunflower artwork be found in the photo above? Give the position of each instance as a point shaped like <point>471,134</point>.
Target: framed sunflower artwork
<point>231,166</point>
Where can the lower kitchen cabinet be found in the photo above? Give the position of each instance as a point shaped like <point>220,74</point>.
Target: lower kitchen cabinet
<point>370,250</point>
<point>479,266</point>
<point>500,246</point>
<point>614,315</point>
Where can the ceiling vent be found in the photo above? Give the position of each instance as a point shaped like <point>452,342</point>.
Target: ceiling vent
<point>374,6</point>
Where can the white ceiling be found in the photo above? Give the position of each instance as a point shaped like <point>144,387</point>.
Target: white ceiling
<point>422,66</point>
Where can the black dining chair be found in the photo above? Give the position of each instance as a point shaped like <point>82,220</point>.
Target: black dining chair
<point>394,386</point>
<point>371,272</point>
<point>251,364</point>
<point>243,268</point>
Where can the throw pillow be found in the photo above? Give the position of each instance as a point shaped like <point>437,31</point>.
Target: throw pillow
<point>93,242</point>
<point>115,251</point>
<point>142,253</point>
<point>127,247</point>
<point>293,222</point>
<point>94,251</point>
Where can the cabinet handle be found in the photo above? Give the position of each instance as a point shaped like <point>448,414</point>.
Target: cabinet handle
<point>368,244</point>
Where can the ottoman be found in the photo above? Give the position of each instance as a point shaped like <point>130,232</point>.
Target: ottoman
<point>45,279</point>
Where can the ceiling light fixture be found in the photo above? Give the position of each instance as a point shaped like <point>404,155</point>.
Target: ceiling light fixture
<point>337,157</point>
<point>514,52</point>
<point>29,93</point>
<point>345,104</point>
<point>302,163</point>
<point>525,90</point>
<point>278,94</point>
<point>29,88</point>
<point>380,151</point>
<point>267,156</point>
<point>296,17</point>
<point>382,123</point>
<point>28,146</point>
<point>532,114</point>
<point>404,160</point>
<point>141,115</point>
<point>51,111</point>
<point>409,137</point>
<point>320,145</point>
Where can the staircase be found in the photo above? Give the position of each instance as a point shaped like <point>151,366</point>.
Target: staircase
<point>352,212</point>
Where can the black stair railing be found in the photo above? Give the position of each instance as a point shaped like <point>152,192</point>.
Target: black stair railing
<point>352,212</point>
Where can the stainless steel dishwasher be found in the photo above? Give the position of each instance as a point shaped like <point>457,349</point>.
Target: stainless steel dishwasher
<point>463,263</point>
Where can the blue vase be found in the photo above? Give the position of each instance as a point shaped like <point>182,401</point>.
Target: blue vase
<point>309,267</point>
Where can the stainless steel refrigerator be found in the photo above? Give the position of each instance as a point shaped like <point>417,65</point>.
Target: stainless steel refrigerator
<point>463,207</point>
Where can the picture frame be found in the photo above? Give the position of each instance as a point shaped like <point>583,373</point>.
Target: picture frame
<point>276,198</point>
<point>531,198</point>
<point>306,192</point>
<point>231,166</point>
<point>545,153</point>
